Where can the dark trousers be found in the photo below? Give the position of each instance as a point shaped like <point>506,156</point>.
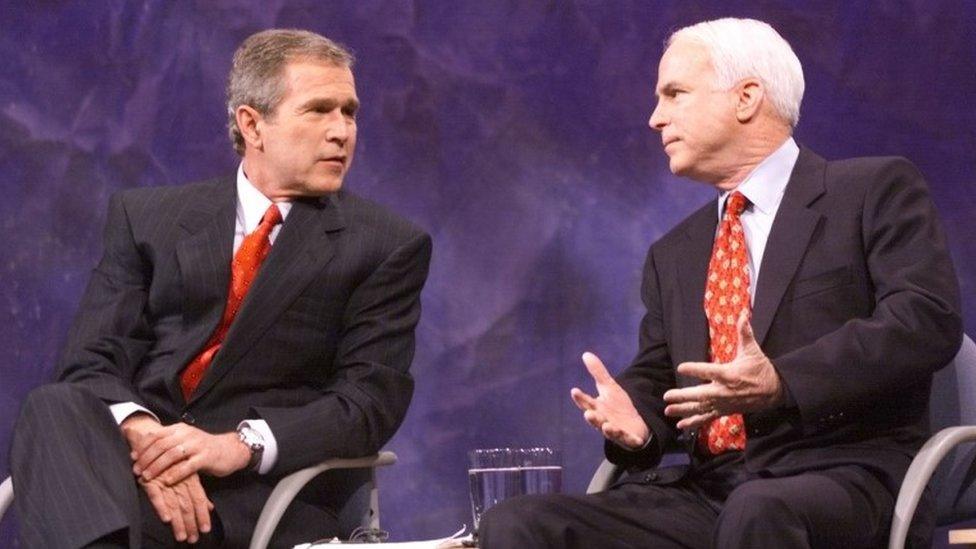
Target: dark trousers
<point>73,480</point>
<point>844,507</point>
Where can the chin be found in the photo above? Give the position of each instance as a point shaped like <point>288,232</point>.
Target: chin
<point>677,167</point>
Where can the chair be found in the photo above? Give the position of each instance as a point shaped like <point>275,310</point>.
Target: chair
<point>362,509</point>
<point>953,410</point>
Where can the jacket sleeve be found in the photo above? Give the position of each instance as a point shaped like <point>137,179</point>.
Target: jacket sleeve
<point>109,337</point>
<point>915,327</point>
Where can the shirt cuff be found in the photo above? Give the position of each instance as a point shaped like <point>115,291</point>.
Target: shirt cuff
<point>270,454</point>
<point>123,410</point>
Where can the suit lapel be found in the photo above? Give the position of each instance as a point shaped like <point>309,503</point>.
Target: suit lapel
<point>299,253</point>
<point>788,239</point>
<point>692,271</point>
<point>204,255</point>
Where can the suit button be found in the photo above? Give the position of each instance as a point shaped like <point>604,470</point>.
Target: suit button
<point>188,418</point>
<point>650,476</point>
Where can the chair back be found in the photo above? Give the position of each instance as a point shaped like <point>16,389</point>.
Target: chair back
<point>954,403</point>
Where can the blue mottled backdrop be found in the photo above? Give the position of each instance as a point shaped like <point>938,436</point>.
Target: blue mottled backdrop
<point>514,131</point>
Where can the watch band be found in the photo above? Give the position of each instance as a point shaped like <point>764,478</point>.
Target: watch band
<point>254,442</point>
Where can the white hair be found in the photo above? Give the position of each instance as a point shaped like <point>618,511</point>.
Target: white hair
<point>747,48</point>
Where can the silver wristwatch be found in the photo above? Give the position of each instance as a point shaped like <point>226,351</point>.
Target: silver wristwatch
<point>255,442</point>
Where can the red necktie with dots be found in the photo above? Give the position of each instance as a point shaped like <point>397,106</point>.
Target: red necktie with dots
<point>243,269</point>
<point>726,296</point>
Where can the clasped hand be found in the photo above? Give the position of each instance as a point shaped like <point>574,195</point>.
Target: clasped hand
<point>746,384</point>
<point>168,460</point>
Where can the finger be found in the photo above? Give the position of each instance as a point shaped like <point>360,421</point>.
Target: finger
<point>188,512</point>
<point>696,393</point>
<point>597,370</point>
<point>611,432</point>
<point>201,505</point>
<point>686,409</point>
<point>633,441</point>
<point>166,460</point>
<point>177,525</point>
<point>158,501</point>
<point>697,420</point>
<point>181,470</point>
<point>594,418</point>
<point>744,327</point>
<point>150,452</point>
<point>583,401</point>
<point>707,371</point>
<point>618,435</point>
<point>145,441</point>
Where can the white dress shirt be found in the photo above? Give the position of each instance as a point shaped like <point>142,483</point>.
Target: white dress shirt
<point>251,205</point>
<point>764,188</point>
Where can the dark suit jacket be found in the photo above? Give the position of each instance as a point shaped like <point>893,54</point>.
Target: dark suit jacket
<point>856,304</point>
<point>320,349</point>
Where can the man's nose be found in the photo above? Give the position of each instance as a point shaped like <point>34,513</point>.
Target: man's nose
<point>337,127</point>
<point>657,121</point>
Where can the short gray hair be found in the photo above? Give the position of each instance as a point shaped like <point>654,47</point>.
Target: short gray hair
<point>259,63</point>
<point>744,48</point>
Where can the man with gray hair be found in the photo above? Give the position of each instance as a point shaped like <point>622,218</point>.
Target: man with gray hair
<point>792,328</point>
<point>234,331</point>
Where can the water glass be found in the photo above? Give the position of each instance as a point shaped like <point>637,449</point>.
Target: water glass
<point>497,474</point>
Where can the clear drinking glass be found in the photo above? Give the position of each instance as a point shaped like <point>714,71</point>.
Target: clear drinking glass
<point>497,474</point>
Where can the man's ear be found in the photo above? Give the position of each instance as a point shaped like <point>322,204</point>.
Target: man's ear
<point>750,94</point>
<point>249,122</point>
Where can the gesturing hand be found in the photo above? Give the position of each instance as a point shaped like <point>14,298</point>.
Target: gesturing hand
<point>184,506</point>
<point>175,452</point>
<point>612,411</point>
<point>746,384</point>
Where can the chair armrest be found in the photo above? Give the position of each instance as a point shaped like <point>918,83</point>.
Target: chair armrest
<point>288,487</point>
<point>6,495</point>
<point>606,474</point>
<point>918,476</point>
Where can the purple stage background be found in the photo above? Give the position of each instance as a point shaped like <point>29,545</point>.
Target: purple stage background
<point>515,132</point>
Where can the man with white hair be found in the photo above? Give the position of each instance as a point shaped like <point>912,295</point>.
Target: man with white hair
<point>791,331</point>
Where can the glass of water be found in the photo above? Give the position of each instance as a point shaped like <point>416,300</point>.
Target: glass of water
<point>497,474</point>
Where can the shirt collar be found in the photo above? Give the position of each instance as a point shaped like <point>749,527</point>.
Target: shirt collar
<point>251,203</point>
<point>764,187</point>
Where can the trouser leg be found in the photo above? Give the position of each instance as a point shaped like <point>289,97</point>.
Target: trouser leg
<point>628,516</point>
<point>71,470</point>
<point>840,507</point>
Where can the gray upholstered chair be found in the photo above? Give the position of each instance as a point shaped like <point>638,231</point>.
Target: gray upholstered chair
<point>941,464</point>
<point>361,510</point>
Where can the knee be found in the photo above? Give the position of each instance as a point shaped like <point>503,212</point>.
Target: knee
<point>61,401</point>
<point>515,522</point>
<point>51,396</point>
<point>755,504</point>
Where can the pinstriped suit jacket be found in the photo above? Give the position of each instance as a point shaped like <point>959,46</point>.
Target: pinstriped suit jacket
<point>320,349</point>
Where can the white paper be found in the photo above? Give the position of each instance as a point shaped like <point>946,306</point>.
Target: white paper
<point>452,541</point>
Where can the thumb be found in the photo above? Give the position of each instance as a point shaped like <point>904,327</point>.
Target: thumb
<point>746,338</point>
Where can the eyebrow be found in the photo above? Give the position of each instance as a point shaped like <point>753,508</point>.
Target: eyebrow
<point>329,103</point>
<point>667,87</point>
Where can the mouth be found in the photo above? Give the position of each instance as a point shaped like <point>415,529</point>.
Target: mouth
<point>669,141</point>
<point>337,160</point>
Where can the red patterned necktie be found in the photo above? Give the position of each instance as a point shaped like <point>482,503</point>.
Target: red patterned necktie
<point>726,296</point>
<point>254,248</point>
